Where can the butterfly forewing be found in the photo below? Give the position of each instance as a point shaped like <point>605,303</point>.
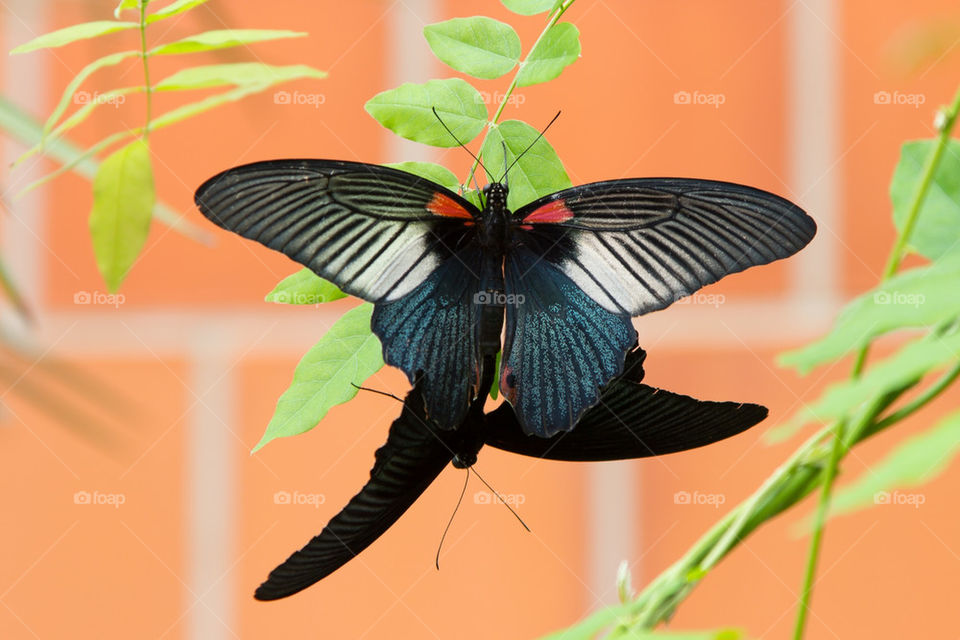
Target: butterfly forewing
<point>375,232</point>
<point>639,245</point>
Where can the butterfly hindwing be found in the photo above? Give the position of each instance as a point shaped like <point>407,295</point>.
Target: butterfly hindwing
<point>432,331</point>
<point>413,456</point>
<point>561,346</point>
<point>638,245</point>
<point>374,231</point>
<point>631,420</point>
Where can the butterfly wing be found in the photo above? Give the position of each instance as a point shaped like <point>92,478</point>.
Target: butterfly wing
<point>411,459</point>
<point>638,245</point>
<point>375,232</point>
<point>432,331</point>
<point>561,346</point>
<point>631,420</point>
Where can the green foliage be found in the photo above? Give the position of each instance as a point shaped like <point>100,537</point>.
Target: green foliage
<point>304,287</point>
<point>408,111</point>
<point>119,229</point>
<point>936,231</point>
<point>345,356</point>
<point>123,199</point>
<point>915,461</point>
<point>539,171</point>
<point>531,7</point>
<point>558,49</point>
<point>480,47</point>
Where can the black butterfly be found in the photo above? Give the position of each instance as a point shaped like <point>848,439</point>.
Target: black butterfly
<point>569,269</point>
<point>631,420</point>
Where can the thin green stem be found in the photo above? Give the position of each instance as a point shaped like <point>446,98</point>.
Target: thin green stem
<point>917,403</point>
<point>838,450</point>
<point>553,18</point>
<point>145,56</point>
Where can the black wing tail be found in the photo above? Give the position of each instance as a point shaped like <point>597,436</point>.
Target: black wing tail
<point>405,466</point>
<point>631,421</point>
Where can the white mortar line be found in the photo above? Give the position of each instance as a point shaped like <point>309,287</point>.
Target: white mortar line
<point>210,485</point>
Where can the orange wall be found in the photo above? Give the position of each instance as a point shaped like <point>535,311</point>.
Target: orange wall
<point>92,571</point>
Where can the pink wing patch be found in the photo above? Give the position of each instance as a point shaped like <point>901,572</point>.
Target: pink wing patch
<point>553,212</point>
<point>442,205</point>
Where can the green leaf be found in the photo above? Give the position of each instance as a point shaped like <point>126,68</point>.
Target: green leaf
<point>73,33</point>
<point>304,287</point>
<point>530,7</point>
<point>124,5</point>
<point>914,360</point>
<point>479,46</point>
<point>70,92</point>
<point>346,355</point>
<point>77,117</point>
<point>210,102</point>
<point>27,130</point>
<point>123,199</point>
<point>223,39</point>
<point>407,111</point>
<point>495,387</point>
<point>235,73</point>
<point>473,196</point>
<point>433,172</point>
<point>913,462</point>
<point>173,9</point>
<point>559,48</point>
<point>937,230</point>
<point>920,297</point>
<point>538,173</point>
<point>588,628</point>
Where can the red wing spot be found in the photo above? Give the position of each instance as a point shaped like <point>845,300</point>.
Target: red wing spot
<point>508,384</point>
<point>553,212</point>
<point>442,205</point>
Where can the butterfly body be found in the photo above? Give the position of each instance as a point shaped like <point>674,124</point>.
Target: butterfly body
<point>559,277</point>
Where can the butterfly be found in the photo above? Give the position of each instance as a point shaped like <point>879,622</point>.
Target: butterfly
<point>564,274</point>
<point>631,420</point>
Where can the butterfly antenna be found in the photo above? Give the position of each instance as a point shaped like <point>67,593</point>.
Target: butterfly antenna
<point>530,146</point>
<point>452,135</point>
<point>449,522</point>
<point>506,182</point>
<point>500,498</point>
<point>382,393</point>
